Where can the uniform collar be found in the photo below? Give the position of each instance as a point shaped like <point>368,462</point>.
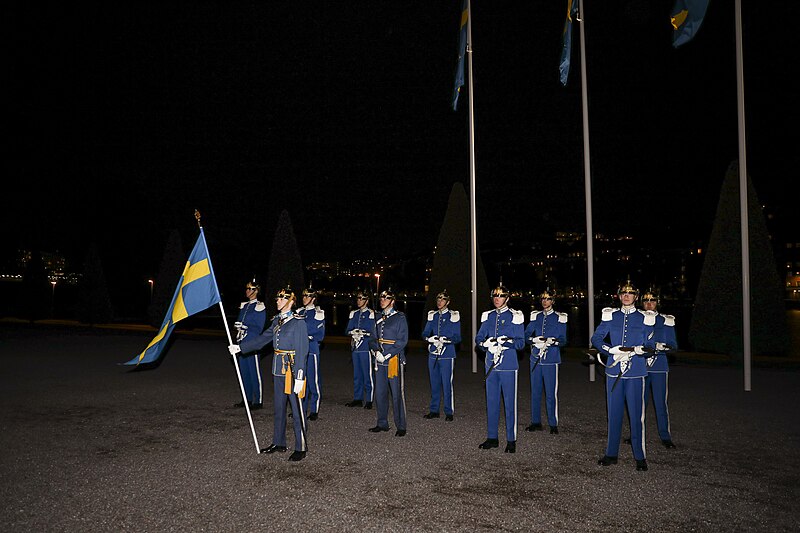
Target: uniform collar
<point>389,311</point>
<point>309,306</point>
<point>502,309</point>
<point>549,311</point>
<point>628,309</point>
<point>444,310</point>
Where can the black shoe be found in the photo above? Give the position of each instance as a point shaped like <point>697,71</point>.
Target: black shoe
<point>554,430</point>
<point>627,441</point>
<point>400,433</point>
<point>273,448</point>
<point>313,416</point>
<point>534,427</point>
<point>240,404</point>
<point>668,443</point>
<point>291,415</point>
<point>607,460</point>
<point>431,415</point>
<point>354,403</point>
<point>297,456</point>
<point>641,466</point>
<point>489,443</point>
<point>368,405</point>
<point>511,447</point>
<point>448,418</point>
<point>256,406</point>
<point>378,429</point>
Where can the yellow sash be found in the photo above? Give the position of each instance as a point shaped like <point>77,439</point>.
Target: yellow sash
<point>286,370</point>
<point>394,366</point>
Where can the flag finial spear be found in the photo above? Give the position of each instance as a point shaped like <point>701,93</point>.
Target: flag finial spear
<point>197,216</point>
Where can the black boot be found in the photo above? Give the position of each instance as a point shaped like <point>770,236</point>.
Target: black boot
<point>607,460</point>
<point>511,447</point>
<point>489,443</point>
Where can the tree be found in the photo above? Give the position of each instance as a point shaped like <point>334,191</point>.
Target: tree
<point>285,266</point>
<point>718,312</point>
<point>169,273</point>
<point>94,301</point>
<point>451,268</point>
<point>37,294</point>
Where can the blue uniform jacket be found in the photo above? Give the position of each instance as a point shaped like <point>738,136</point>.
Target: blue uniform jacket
<point>390,336</point>
<point>625,327</point>
<point>665,332</point>
<point>251,319</point>
<point>547,324</point>
<point>497,323</point>
<point>287,334</point>
<point>444,323</point>
<point>365,320</point>
<point>315,323</point>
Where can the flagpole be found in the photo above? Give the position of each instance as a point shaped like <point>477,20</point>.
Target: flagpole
<point>472,211</point>
<point>587,172</point>
<point>743,197</point>
<point>230,341</point>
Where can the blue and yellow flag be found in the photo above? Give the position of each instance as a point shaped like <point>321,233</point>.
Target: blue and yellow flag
<point>566,36</point>
<point>462,52</point>
<point>197,291</point>
<point>686,18</point>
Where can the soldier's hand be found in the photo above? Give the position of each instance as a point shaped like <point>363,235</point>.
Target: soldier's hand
<point>616,350</point>
<point>662,347</point>
<point>502,339</point>
<point>639,350</point>
<point>550,341</point>
<point>445,340</point>
<point>234,349</point>
<point>434,339</point>
<point>298,385</point>
<point>621,356</point>
<point>379,357</point>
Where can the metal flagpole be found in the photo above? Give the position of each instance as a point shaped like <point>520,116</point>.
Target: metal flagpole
<point>587,172</point>
<point>473,233</point>
<point>743,197</point>
<point>235,361</point>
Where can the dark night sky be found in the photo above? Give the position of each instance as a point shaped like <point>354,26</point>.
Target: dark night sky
<point>127,117</point>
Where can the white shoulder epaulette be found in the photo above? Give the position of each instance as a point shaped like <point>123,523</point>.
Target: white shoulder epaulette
<point>241,305</point>
<point>518,317</point>
<point>650,318</point>
<point>485,316</point>
<point>455,316</point>
<point>260,306</point>
<point>352,313</point>
<point>431,314</point>
<point>607,313</point>
<point>372,314</point>
<point>562,317</point>
<point>534,314</point>
<point>319,313</point>
<point>669,320</point>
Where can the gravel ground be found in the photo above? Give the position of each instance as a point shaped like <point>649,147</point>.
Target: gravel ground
<point>88,445</point>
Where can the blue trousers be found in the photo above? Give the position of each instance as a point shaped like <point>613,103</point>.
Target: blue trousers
<point>658,383</point>
<point>313,384</point>
<point>441,373</point>
<point>630,392</point>
<point>544,378</point>
<point>281,400</point>
<point>383,385</point>
<point>362,377</point>
<point>501,382</point>
<point>250,369</point>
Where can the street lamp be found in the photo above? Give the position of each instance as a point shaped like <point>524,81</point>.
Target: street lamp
<point>378,285</point>
<point>53,300</point>
<point>150,281</point>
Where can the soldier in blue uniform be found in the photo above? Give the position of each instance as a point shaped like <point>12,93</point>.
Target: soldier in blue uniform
<point>624,336</point>
<point>361,323</point>
<point>657,380</point>
<point>546,333</point>
<point>442,332</point>
<point>250,322</point>
<point>289,338</point>
<point>388,340</point>
<point>315,322</point>
<point>501,334</point>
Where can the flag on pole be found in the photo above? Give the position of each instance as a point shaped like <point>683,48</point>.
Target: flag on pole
<point>197,291</point>
<point>566,36</point>
<point>462,52</point>
<point>686,18</point>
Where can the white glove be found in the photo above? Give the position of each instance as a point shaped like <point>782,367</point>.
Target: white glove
<point>379,357</point>
<point>623,356</point>
<point>550,341</point>
<point>488,343</point>
<point>502,339</point>
<point>616,350</point>
<point>298,385</point>
<point>661,347</point>
<point>495,350</point>
<point>234,349</point>
<point>434,339</point>
<point>445,340</point>
<point>638,350</point>
<point>238,325</point>
<point>539,343</point>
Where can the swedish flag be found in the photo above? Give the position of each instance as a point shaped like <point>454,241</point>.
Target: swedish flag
<point>686,18</point>
<point>462,52</point>
<point>197,290</point>
<point>566,36</point>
